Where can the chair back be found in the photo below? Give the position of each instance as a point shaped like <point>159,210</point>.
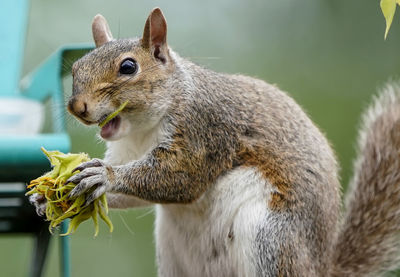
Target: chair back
<point>13,22</point>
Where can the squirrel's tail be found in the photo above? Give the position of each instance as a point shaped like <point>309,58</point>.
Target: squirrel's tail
<point>368,243</point>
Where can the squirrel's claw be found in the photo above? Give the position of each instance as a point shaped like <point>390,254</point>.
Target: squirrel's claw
<point>93,177</point>
<point>88,172</point>
<point>91,163</point>
<point>39,201</point>
<point>99,191</point>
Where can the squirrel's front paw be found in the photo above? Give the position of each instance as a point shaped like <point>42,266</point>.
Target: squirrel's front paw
<point>40,203</point>
<point>94,176</point>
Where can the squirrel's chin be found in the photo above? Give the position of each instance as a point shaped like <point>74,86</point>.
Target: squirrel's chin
<point>116,129</point>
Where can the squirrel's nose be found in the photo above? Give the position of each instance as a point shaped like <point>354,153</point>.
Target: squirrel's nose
<point>78,108</point>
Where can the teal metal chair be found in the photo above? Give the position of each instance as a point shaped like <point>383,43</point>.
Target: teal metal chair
<point>20,156</point>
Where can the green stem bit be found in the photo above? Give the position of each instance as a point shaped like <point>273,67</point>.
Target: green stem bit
<point>114,114</point>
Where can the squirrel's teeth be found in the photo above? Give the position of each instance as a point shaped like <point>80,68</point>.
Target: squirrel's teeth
<point>108,130</point>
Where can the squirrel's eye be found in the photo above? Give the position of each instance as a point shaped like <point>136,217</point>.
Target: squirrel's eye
<point>128,66</point>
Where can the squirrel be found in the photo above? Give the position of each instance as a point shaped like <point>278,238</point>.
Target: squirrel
<point>243,182</point>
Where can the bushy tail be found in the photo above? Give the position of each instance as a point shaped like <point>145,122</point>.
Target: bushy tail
<point>368,243</point>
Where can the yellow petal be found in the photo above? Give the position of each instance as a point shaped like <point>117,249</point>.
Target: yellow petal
<point>95,218</point>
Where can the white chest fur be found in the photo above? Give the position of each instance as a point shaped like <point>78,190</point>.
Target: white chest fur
<point>214,236</point>
<point>134,146</point>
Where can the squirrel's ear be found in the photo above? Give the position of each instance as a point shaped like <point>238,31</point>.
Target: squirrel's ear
<point>155,34</point>
<point>101,31</point>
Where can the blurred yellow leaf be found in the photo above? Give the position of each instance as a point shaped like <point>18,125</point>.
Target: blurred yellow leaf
<point>388,8</point>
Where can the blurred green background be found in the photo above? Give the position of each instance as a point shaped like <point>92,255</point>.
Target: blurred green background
<point>329,55</point>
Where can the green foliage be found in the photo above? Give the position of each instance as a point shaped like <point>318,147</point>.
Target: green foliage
<point>388,8</point>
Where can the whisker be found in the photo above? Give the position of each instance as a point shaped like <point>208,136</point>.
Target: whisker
<point>67,63</point>
<point>126,225</point>
<point>119,28</point>
<point>146,213</point>
<point>106,93</point>
<point>204,58</point>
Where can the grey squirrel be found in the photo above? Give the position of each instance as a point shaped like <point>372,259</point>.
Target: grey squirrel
<point>244,183</point>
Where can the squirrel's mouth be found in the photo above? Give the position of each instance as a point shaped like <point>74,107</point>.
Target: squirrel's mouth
<point>108,130</point>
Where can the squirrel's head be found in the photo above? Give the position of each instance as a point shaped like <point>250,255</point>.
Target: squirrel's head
<point>120,70</point>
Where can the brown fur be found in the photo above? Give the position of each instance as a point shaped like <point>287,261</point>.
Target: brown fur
<point>369,241</point>
<point>219,122</point>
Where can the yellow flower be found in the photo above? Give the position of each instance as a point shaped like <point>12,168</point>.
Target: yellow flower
<point>59,206</point>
